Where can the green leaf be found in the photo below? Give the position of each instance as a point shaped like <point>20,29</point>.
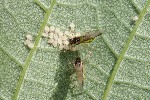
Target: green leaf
<point>117,64</point>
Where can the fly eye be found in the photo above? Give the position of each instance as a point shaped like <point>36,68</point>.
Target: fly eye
<point>77,40</point>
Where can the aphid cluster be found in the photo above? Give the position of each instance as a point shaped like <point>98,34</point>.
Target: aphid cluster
<point>67,40</point>
<point>29,41</point>
<point>59,38</point>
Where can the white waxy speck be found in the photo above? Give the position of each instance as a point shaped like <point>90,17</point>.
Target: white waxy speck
<point>55,43</point>
<point>52,28</point>
<point>46,29</point>
<point>51,35</point>
<point>57,30</point>
<point>30,45</point>
<point>72,26</point>
<point>61,47</point>
<point>29,37</point>
<point>71,35</point>
<point>65,42</point>
<point>78,34</point>
<point>135,18</point>
<point>60,34</point>
<point>27,42</point>
<point>55,36</point>
<point>59,41</point>
<point>66,47</point>
<point>64,37</point>
<point>67,33</point>
<point>45,34</point>
<point>50,41</point>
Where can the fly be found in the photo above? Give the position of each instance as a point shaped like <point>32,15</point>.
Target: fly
<point>84,39</point>
<point>79,72</point>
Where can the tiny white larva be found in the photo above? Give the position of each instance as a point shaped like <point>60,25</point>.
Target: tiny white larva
<point>135,18</point>
<point>29,37</point>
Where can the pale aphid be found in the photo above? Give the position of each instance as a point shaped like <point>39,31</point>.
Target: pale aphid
<point>29,37</point>
<point>26,42</point>
<point>78,34</point>
<point>60,34</point>
<point>59,41</point>
<point>55,36</point>
<point>72,26</point>
<point>52,28</point>
<point>51,35</point>
<point>57,30</point>
<point>135,18</point>
<point>55,43</point>
<point>30,45</point>
<point>72,35</point>
<point>66,42</point>
<point>50,41</point>
<point>66,47</point>
<point>46,29</point>
<point>45,34</point>
<point>61,46</point>
<point>67,33</point>
<point>64,38</point>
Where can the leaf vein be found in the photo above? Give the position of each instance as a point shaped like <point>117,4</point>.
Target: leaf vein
<point>129,83</point>
<point>12,57</point>
<point>121,56</point>
<point>28,60</point>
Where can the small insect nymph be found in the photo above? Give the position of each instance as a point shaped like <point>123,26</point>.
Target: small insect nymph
<point>79,72</point>
<point>135,18</point>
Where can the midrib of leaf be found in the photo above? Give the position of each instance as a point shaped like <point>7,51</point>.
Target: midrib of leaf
<point>121,56</point>
<point>27,62</point>
<point>41,5</point>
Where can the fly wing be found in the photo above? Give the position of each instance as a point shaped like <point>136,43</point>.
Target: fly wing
<point>80,78</point>
<point>93,34</point>
<point>80,84</point>
<point>89,37</point>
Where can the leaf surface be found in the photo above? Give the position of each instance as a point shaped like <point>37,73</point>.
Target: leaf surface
<point>117,64</point>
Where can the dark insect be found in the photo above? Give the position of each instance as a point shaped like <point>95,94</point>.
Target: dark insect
<point>79,72</point>
<point>89,37</point>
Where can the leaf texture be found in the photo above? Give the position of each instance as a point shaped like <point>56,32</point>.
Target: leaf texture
<point>117,64</point>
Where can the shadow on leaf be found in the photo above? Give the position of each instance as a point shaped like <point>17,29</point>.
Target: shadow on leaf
<point>63,74</point>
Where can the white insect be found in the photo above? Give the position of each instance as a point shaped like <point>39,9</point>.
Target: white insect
<point>29,37</point>
<point>28,42</point>
<point>61,46</point>
<point>78,34</point>
<point>59,41</point>
<point>60,34</point>
<point>30,45</point>
<point>50,41</point>
<point>55,44</point>
<point>52,28</point>
<point>65,42</point>
<point>57,30</point>
<point>135,18</point>
<point>55,36</point>
<point>51,35</point>
<point>45,34</point>
<point>64,38</point>
<point>46,29</point>
<point>67,33</point>
<point>72,26</point>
